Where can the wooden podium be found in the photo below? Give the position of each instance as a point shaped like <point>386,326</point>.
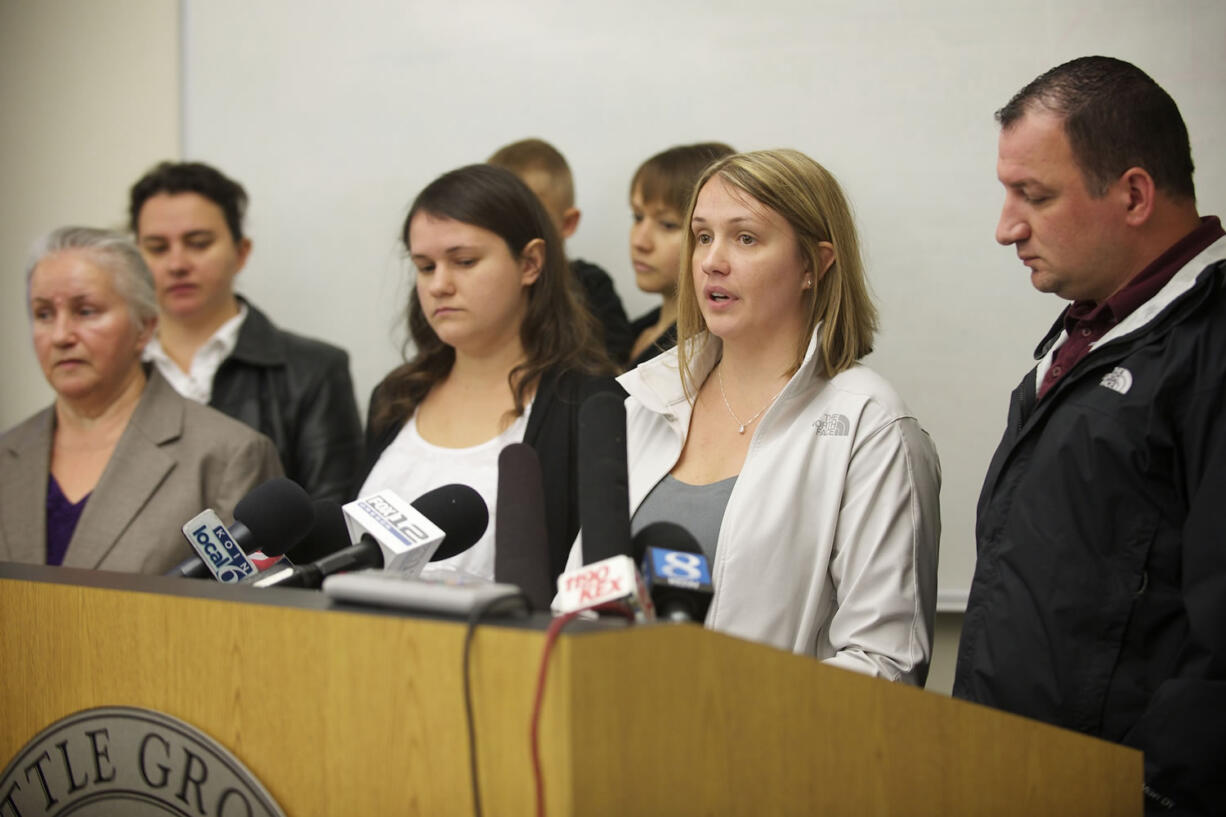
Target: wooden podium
<point>348,711</point>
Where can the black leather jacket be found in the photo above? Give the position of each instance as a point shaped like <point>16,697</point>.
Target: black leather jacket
<point>297,391</point>
<point>600,297</point>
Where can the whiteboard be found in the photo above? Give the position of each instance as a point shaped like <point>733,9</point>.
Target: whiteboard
<point>333,117</point>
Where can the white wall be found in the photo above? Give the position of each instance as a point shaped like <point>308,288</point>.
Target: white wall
<point>335,117</point>
<point>89,98</point>
<point>946,632</point>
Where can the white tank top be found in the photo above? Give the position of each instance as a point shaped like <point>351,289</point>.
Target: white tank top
<point>410,466</point>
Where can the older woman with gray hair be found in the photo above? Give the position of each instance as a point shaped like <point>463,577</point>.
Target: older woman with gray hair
<point>106,476</point>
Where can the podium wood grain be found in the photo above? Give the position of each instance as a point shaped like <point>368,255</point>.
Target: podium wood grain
<point>348,712</point>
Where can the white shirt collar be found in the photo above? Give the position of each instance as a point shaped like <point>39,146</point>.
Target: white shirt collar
<point>197,383</point>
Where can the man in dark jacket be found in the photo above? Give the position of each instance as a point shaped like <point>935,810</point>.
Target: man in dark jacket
<point>216,348</point>
<point>1099,597</point>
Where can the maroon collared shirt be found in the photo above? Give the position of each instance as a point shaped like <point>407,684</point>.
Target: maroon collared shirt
<point>1086,321</point>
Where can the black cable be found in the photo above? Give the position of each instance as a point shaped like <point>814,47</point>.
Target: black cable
<point>474,618</point>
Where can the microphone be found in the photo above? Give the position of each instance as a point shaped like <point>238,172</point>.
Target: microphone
<point>394,535</point>
<point>604,499</point>
<point>272,518</point>
<point>675,571</point>
<point>462,514</point>
<point>362,554</point>
<point>521,541</point>
<point>610,583</point>
<point>328,535</point>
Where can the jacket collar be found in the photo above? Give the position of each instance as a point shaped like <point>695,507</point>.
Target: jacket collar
<point>136,469</point>
<point>23,487</point>
<point>657,383</point>
<point>1193,274</point>
<point>259,342</point>
<point>1185,291</point>
<point>159,414</point>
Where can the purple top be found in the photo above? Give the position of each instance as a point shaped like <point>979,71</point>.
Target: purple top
<point>62,517</point>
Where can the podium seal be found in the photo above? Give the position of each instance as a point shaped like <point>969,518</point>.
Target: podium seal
<point>132,762</point>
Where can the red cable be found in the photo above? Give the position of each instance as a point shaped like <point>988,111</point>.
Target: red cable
<point>551,636</point>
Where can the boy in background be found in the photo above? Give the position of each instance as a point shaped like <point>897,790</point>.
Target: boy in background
<point>544,170</point>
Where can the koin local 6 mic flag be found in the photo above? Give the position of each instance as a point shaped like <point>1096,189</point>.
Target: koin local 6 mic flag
<point>215,546</point>
<point>609,581</point>
<point>407,538</point>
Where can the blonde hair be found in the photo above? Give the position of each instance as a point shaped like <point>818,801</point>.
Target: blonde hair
<point>809,198</point>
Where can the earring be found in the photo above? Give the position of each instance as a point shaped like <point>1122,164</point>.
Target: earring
<point>809,282</point>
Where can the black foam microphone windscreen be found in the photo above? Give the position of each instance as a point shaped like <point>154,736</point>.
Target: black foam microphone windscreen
<point>521,541</point>
<point>457,509</point>
<point>675,570</point>
<point>277,514</point>
<point>328,535</point>
<point>604,499</point>
<point>663,534</point>
<point>272,518</point>
<point>460,511</point>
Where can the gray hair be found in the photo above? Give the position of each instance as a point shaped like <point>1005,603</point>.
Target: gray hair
<point>112,251</point>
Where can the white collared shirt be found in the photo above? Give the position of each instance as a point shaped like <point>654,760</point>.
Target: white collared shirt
<point>197,383</point>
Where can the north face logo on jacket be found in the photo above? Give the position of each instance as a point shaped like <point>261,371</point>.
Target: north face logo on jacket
<point>832,425</point>
<point>1119,379</point>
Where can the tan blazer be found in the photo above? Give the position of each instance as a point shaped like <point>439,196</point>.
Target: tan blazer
<point>174,459</point>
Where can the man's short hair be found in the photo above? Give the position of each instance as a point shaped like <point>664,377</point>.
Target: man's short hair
<point>1115,117</point>
<point>191,177</point>
<point>529,155</point>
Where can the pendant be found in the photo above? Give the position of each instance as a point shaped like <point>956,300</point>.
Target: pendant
<point>741,430</point>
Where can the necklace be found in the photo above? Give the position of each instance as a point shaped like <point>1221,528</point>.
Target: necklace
<point>719,375</point>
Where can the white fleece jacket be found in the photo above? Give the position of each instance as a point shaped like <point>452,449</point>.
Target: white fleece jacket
<point>829,543</point>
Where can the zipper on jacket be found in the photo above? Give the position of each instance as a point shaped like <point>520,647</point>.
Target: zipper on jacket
<point>1027,397</point>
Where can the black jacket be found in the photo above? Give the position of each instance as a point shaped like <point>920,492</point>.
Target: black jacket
<point>298,392</point>
<point>601,299</point>
<point>663,343</point>
<point>1099,597</point>
<point>553,432</point>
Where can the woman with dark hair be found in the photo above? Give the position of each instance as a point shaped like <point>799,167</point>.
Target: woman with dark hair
<point>215,347</point>
<point>504,354</point>
<point>660,192</point>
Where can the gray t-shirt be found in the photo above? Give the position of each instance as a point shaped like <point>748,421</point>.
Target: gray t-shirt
<point>697,508</point>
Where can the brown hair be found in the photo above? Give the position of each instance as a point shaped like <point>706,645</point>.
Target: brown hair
<point>557,332</point>
<point>668,177</point>
<point>190,177</point>
<point>1115,117</point>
